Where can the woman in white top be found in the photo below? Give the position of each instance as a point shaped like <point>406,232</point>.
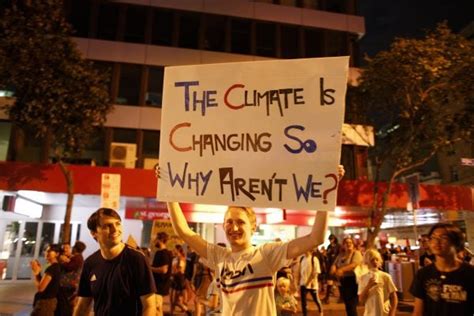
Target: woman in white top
<point>247,273</point>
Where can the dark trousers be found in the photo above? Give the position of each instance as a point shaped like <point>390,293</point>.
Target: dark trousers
<point>65,301</point>
<point>44,307</point>
<point>314,294</point>
<point>348,291</point>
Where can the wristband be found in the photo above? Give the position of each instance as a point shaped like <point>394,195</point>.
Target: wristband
<point>38,277</point>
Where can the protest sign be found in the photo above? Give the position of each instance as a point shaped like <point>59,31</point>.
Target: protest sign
<point>263,134</point>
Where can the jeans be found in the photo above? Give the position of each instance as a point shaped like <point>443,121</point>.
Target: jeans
<point>314,294</point>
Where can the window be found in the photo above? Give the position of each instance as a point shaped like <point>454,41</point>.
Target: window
<point>189,30</point>
<point>151,144</point>
<point>108,21</point>
<point>289,41</point>
<point>265,39</point>
<point>153,96</point>
<point>79,17</point>
<point>105,68</point>
<point>314,41</point>
<point>5,132</point>
<point>215,34</point>
<point>125,135</point>
<point>95,148</point>
<point>135,21</point>
<point>129,86</point>
<point>240,36</point>
<point>336,43</point>
<point>336,6</point>
<point>32,147</point>
<point>162,31</point>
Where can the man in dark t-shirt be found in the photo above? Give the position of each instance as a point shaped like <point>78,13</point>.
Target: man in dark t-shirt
<point>161,268</point>
<point>445,287</point>
<point>117,277</point>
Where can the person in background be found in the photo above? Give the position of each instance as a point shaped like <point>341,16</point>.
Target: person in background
<point>286,303</point>
<point>426,256</point>
<point>376,288</point>
<point>71,267</point>
<point>308,280</point>
<point>202,280</point>
<point>178,284</point>
<point>117,278</point>
<point>332,252</point>
<point>190,274</point>
<point>47,285</point>
<point>343,268</point>
<point>161,268</point>
<point>445,287</point>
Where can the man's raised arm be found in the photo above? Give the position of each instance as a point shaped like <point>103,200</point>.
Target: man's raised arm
<point>182,229</point>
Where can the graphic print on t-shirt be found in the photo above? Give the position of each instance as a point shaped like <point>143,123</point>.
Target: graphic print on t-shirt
<point>452,293</point>
<point>242,279</point>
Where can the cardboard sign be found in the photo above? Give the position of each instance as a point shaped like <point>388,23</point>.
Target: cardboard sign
<point>263,134</point>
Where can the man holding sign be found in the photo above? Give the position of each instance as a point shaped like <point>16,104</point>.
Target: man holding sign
<point>247,273</point>
<point>231,137</point>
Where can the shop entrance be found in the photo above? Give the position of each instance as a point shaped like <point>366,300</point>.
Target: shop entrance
<point>25,240</point>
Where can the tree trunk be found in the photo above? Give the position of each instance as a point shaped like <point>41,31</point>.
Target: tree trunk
<point>378,215</point>
<point>66,233</point>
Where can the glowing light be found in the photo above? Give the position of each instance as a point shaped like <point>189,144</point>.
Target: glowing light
<point>206,217</point>
<point>210,208</point>
<point>28,208</point>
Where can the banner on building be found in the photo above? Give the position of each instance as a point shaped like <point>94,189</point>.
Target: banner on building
<point>265,134</point>
<point>110,191</point>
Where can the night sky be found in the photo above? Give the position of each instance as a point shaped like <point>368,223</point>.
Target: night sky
<point>387,19</point>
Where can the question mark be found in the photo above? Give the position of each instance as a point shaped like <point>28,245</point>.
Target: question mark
<point>326,192</point>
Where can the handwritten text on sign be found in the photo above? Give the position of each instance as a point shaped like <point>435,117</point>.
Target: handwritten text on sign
<point>263,134</point>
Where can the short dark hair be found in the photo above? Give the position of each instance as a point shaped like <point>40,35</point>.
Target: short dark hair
<point>94,219</point>
<point>163,237</point>
<point>79,246</point>
<point>453,232</point>
<point>54,247</point>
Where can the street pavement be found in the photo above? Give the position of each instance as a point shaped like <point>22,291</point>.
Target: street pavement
<point>16,299</point>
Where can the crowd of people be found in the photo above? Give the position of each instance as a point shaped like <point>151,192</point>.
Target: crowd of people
<point>57,287</point>
<point>124,279</point>
<point>240,278</point>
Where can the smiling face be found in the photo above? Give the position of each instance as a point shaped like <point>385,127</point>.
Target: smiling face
<point>238,228</point>
<point>51,255</point>
<point>108,232</point>
<point>67,251</point>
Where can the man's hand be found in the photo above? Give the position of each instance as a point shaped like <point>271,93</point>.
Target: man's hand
<point>340,172</point>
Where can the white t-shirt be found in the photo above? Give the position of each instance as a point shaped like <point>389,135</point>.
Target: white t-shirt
<point>306,270</point>
<point>378,300</point>
<point>247,278</point>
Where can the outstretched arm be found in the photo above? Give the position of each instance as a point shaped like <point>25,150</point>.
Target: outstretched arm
<point>300,245</point>
<point>182,229</point>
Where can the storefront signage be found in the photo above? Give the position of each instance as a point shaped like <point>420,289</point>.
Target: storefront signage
<point>110,191</point>
<point>264,134</point>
